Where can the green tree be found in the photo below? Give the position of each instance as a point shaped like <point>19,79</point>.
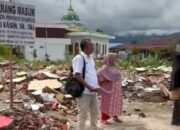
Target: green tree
<point>99,30</point>
<point>134,42</point>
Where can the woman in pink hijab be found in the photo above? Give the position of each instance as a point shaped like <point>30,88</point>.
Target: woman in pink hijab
<point>109,79</point>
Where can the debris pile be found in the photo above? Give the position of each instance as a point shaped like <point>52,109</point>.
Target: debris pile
<point>40,101</point>
<point>145,83</point>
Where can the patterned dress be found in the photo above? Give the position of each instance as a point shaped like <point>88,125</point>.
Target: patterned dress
<point>110,104</point>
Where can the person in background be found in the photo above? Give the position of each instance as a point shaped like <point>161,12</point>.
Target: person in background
<point>175,84</point>
<point>109,78</point>
<point>87,103</point>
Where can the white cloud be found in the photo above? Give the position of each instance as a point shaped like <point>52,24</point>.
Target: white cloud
<point>114,16</point>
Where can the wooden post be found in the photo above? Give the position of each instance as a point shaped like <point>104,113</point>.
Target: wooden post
<point>11,77</point>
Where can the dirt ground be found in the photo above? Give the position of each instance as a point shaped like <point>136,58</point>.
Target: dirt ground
<point>137,115</point>
<point>158,117</point>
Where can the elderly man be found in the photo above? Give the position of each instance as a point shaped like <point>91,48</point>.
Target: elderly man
<point>87,103</point>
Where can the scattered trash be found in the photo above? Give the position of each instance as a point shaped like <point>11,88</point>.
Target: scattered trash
<point>68,96</point>
<point>4,63</point>
<point>36,106</point>
<point>18,80</point>
<point>141,69</point>
<point>5,122</point>
<point>48,97</point>
<point>137,109</point>
<point>50,75</point>
<point>1,88</point>
<point>21,74</point>
<point>141,114</point>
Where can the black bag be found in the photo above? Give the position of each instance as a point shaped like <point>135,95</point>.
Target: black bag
<point>73,86</point>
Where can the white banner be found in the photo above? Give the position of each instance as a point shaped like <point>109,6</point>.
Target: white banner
<point>17,23</point>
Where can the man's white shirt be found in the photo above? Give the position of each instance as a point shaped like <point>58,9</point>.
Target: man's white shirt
<point>90,71</point>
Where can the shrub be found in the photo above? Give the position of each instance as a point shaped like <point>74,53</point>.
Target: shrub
<point>4,52</point>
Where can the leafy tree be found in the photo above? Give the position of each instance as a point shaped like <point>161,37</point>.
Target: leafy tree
<point>99,30</point>
<point>134,42</point>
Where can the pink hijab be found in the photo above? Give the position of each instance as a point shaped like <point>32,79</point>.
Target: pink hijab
<point>109,70</point>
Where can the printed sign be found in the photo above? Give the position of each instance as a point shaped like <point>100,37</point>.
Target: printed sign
<point>17,23</point>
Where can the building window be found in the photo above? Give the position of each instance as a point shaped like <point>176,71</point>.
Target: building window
<point>76,48</point>
<point>31,47</point>
<point>41,47</point>
<point>103,49</point>
<point>97,49</point>
<point>70,49</point>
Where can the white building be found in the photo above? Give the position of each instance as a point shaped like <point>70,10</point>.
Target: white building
<point>50,43</point>
<point>55,40</point>
<point>100,41</point>
<point>78,31</point>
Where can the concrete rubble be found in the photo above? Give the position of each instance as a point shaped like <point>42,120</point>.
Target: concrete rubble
<point>38,98</point>
<point>40,101</point>
<point>144,84</point>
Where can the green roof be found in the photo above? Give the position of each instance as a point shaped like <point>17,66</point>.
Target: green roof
<point>71,15</point>
<point>77,29</point>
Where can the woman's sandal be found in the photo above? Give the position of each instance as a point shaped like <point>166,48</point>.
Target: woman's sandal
<point>106,122</point>
<point>117,120</point>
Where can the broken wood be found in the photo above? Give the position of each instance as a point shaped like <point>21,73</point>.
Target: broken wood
<point>48,89</point>
<point>173,94</point>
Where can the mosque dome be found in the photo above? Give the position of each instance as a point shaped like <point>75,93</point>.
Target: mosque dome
<point>70,15</point>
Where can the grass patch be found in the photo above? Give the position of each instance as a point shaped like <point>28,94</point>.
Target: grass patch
<point>149,62</point>
<point>4,52</point>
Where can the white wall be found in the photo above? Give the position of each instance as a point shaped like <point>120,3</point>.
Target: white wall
<point>99,40</point>
<point>93,39</point>
<point>54,47</point>
<point>177,47</point>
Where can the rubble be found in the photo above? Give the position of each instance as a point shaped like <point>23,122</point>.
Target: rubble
<point>173,94</point>
<point>21,74</point>
<point>41,84</point>
<point>1,88</point>
<point>141,69</point>
<point>37,93</point>
<point>40,101</point>
<point>4,63</point>
<point>50,75</point>
<point>18,80</point>
<point>144,84</point>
